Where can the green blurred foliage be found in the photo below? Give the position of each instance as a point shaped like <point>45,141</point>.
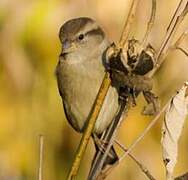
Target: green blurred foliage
<point>29,101</point>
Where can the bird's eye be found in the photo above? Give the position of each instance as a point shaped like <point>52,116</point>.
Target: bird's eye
<point>81,37</point>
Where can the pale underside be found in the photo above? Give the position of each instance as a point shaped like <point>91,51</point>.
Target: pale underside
<point>80,81</point>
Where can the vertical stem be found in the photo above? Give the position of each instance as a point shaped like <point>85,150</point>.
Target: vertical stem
<point>87,132</point>
<point>41,154</point>
<point>150,23</point>
<point>128,23</point>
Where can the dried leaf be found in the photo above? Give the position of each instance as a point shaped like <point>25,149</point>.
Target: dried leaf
<point>171,130</point>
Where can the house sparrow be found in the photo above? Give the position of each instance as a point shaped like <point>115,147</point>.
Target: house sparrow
<point>80,72</point>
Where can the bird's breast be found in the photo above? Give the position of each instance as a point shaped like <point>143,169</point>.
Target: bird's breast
<point>80,84</point>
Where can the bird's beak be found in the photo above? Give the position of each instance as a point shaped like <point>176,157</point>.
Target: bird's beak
<point>68,47</point>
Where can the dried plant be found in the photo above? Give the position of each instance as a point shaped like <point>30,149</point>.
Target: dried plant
<point>148,62</point>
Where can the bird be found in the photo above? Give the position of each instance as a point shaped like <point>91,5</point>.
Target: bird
<point>79,73</point>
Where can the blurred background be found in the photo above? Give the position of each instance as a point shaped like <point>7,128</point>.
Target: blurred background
<point>29,101</point>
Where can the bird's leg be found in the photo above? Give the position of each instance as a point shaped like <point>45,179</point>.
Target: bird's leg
<point>101,144</point>
<point>153,106</point>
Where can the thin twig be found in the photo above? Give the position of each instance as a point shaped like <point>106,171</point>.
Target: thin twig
<point>175,14</point>
<point>179,41</point>
<point>182,50</point>
<point>87,132</point>
<point>141,166</point>
<point>41,156</point>
<point>128,23</point>
<point>174,24</point>
<point>181,38</point>
<point>150,23</point>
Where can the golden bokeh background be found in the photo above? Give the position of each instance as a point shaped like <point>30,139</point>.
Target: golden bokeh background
<point>29,101</point>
